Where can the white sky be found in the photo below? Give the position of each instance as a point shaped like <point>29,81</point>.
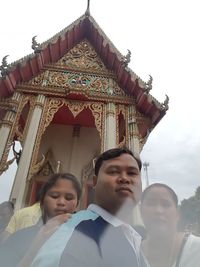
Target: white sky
<point>163,36</point>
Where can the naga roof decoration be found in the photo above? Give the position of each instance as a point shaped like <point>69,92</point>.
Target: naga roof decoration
<point>53,51</point>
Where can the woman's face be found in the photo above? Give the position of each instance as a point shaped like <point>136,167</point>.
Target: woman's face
<point>159,211</point>
<point>59,199</point>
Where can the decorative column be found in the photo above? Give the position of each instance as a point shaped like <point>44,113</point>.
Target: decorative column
<point>18,190</point>
<point>134,145</point>
<point>7,124</point>
<point>134,142</point>
<point>110,136</point>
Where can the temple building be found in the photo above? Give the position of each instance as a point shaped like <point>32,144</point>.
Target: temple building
<point>71,99</point>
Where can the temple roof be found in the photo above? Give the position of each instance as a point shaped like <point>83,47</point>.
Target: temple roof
<point>56,47</point>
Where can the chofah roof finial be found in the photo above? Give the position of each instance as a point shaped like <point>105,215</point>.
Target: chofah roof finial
<point>4,66</point>
<point>127,58</point>
<point>35,45</point>
<point>165,104</point>
<point>87,12</point>
<point>148,85</point>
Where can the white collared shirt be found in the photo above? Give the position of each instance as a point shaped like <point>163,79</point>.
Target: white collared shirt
<point>132,236</point>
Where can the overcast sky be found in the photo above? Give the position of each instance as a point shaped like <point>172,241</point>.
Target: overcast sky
<point>163,37</point>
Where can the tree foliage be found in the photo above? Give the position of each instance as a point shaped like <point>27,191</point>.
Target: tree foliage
<point>190,212</point>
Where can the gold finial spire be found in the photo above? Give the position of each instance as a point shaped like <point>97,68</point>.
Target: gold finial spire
<point>87,12</point>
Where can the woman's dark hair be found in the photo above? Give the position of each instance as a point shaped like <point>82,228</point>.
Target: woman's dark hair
<point>169,189</point>
<point>114,153</point>
<point>52,181</point>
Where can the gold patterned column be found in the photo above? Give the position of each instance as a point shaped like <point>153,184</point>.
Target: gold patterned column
<point>18,190</point>
<point>134,143</point>
<point>110,137</point>
<point>7,124</point>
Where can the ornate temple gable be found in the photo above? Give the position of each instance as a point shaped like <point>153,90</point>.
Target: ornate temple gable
<point>51,51</point>
<point>83,57</point>
<point>80,71</point>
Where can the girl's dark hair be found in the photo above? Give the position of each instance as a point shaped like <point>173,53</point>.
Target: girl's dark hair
<point>169,189</point>
<point>52,181</point>
<point>114,153</point>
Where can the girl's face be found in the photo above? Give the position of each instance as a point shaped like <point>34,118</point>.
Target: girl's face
<point>60,198</point>
<point>159,211</point>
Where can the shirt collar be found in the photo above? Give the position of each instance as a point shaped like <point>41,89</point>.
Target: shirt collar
<point>105,215</point>
<point>127,228</point>
<point>110,218</point>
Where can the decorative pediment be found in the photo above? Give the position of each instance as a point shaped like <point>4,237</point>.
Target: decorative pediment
<point>80,71</point>
<point>82,57</point>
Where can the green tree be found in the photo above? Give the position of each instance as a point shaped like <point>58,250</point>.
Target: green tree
<point>190,212</point>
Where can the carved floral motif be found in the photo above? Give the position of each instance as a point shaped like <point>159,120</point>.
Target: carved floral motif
<point>82,56</point>
<point>76,72</point>
<point>76,108</point>
<point>91,85</point>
